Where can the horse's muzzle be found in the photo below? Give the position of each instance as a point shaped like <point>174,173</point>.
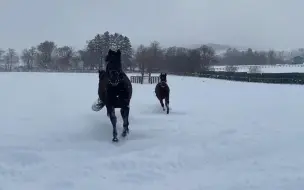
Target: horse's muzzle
<point>114,78</point>
<point>114,82</point>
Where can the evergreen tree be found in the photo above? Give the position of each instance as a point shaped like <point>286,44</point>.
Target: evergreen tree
<point>127,52</point>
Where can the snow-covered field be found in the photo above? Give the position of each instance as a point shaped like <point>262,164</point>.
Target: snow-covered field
<point>268,68</point>
<point>220,135</point>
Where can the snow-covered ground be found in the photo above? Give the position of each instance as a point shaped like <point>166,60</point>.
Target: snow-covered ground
<point>288,68</point>
<point>220,135</point>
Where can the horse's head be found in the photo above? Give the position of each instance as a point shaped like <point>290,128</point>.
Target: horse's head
<point>114,68</point>
<point>163,77</point>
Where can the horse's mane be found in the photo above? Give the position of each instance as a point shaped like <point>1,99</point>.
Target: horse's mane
<point>101,74</point>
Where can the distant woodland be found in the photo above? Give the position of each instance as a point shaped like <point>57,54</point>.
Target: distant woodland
<point>47,56</point>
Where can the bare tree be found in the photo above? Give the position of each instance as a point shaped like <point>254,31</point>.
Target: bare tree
<point>140,58</point>
<point>194,60</point>
<point>207,56</point>
<point>154,57</point>
<point>63,58</point>
<point>76,61</point>
<point>280,55</point>
<point>2,61</point>
<point>28,56</point>
<point>84,57</point>
<point>2,52</point>
<point>11,58</point>
<point>45,51</point>
<point>271,57</point>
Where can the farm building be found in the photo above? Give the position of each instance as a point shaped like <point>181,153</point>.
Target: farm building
<point>298,60</point>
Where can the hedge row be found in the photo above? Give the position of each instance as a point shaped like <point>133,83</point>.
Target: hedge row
<point>277,78</point>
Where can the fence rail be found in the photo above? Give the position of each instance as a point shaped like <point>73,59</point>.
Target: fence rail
<point>276,78</point>
<point>145,79</point>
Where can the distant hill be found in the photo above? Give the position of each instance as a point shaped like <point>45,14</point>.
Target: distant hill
<point>217,47</point>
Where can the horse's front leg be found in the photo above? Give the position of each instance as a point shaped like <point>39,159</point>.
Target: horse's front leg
<point>113,119</point>
<point>124,111</point>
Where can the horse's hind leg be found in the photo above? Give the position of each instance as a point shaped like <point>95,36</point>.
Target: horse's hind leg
<point>124,111</point>
<point>113,119</point>
<point>167,103</point>
<point>162,103</point>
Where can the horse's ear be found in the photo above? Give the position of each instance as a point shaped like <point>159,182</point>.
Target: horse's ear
<point>118,52</point>
<point>165,74</point>
<point>110,52</point>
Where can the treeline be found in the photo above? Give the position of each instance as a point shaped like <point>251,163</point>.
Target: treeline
<point>250,57</point>
<point>47,56</point>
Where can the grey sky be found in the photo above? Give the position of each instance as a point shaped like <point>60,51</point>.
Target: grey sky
<point>255,23</point>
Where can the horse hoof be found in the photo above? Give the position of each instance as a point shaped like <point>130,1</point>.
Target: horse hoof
<point>115,139</point>
<point>125,133</point>
<point>167,111</point>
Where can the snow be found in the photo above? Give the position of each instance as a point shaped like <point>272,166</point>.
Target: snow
<point>220,135</point>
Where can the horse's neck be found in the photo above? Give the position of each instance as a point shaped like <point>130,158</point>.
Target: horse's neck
<point>162,84</point>
<point>119,68</point>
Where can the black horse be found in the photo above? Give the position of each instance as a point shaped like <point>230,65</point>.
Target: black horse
<point>162,91</point>
<point>115,91</point>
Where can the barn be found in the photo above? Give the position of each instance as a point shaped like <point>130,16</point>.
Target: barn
<point>298,60</point>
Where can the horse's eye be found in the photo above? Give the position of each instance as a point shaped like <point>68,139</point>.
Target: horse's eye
<point>114,73</point>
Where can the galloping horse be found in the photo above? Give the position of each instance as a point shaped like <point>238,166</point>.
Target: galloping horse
<point>162,91</point>
<point>114,91</point>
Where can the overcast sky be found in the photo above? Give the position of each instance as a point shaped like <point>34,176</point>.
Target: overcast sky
<point>254,23</point>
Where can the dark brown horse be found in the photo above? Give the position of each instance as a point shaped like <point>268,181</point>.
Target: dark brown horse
<point>114,91</point>
<point>162,91</point>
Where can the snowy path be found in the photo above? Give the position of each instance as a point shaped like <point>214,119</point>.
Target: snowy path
<point>227,136</point>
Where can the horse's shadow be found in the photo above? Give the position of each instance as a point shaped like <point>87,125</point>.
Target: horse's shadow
<point>100,129</point>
